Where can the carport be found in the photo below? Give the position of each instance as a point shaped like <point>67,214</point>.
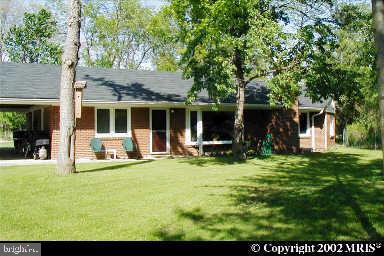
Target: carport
<point>23,140</point>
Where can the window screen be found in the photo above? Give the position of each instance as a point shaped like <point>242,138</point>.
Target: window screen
<point>217,126</point>
<point>121,121</point>
<point>103,121</point>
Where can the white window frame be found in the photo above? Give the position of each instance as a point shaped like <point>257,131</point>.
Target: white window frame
<point>188,127</point>
<point>112,133</point>
<point>199,130</point>
<point>332,126</point>
<point>308,131</point>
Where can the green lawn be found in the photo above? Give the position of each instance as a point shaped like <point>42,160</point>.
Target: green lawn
<point>337,195</point>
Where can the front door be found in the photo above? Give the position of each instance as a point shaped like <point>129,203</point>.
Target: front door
<point>159,131</point>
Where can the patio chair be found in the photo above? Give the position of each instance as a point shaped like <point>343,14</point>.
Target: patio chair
<point>267,145</point>
<point>97,147</point>
<point>128,145</point>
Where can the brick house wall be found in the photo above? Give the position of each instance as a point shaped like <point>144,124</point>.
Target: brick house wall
<point>177,134</point>
<point>84,133</point>
<point>284,128</point>
<point>140,130</point>
<point>281,123</point>
<point>54,127</point>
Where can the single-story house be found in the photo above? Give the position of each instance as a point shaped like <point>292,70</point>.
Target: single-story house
<point>149,107</point>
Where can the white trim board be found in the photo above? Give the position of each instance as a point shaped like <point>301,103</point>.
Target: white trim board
<point>112,133</point>
<point>200,131</point>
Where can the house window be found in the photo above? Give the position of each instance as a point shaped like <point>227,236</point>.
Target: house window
<point>332,126</point>
<point>193,125</point>
<point>304,124</point>
<point>213,127</point>
<point>121,122</point>
<point>112,122</point>
<point>217,126</point>
<point>103,123</point>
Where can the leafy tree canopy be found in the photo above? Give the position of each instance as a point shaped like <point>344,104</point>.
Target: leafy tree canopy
<point>227,43</point>
<point>124,34</point>
<point>12,120</point>
<point>31,41</point>
<point>340,63</point>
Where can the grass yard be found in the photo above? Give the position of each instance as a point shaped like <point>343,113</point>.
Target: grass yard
<point>333,196</point>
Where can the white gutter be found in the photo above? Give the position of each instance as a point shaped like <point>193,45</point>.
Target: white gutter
<point>91,103</point>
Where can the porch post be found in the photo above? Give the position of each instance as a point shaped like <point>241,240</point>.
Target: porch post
<point>200,132</point>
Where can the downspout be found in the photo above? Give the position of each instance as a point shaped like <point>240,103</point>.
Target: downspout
<point>200,132</point>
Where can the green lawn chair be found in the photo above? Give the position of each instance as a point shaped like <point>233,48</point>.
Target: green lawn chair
<point>266,146</point>
<point>128,145</point>
<point>96,145</point>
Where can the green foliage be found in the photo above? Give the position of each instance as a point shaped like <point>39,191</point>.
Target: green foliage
<point>284,88</point>
<point>362,135</point>
<point>124,34</point>
<point>341,63</point>
<point>226,43</point>
<point>12,120</point>
<point>166,62</point>
<point>31,41</point>
<point>165,45</point>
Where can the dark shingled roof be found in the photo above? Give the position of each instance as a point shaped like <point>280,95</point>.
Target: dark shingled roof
<point>41,81</point>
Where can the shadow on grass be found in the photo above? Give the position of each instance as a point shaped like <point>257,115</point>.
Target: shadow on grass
<point>330,196</point>
<point>117,166</point>
<point>206,161</point>
<point>168,234</point>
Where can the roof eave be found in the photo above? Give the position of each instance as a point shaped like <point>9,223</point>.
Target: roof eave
<point>55,102</point>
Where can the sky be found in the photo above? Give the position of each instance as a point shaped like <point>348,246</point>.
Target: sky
<point>153,3</point>
<point>149,3</point>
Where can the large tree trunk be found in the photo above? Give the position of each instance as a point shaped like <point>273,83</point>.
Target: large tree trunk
<point>378,15</point>
<point>65,158</point>
<point>238,148</point>
<point>238,133</point>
